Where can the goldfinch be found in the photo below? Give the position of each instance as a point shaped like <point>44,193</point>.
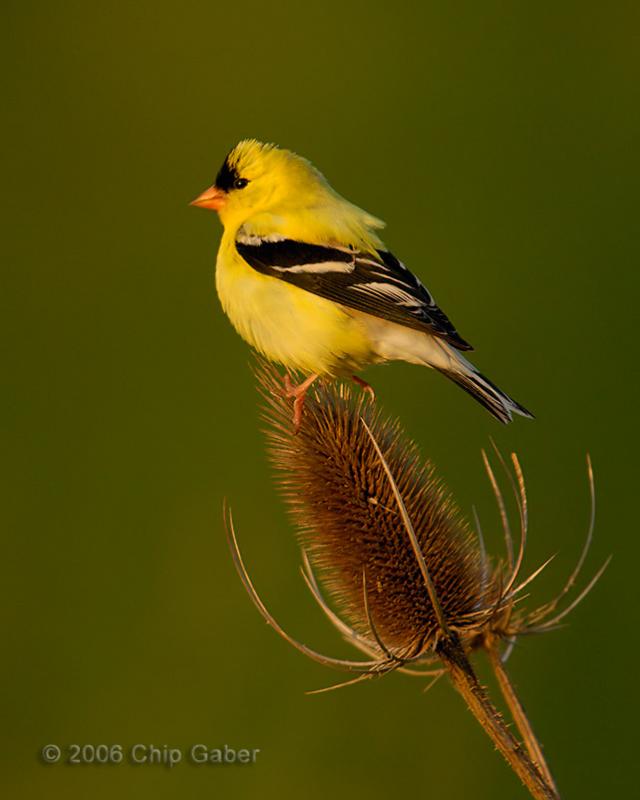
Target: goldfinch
<point>306,281</point>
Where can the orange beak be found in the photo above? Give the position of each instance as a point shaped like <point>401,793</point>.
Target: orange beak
<point>212,197</point>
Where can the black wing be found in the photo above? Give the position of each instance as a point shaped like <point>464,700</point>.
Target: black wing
<point>383,288</point>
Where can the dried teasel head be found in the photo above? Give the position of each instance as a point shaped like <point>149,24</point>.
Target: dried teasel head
<point>390,547</point>
<point>409,581</point>
<point>345,509</point>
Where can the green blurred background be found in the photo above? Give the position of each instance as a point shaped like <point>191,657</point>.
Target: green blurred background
<point>500,142</point>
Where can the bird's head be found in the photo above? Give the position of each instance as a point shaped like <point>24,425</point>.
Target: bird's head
<point>256,178</point>
<point>267,189</point>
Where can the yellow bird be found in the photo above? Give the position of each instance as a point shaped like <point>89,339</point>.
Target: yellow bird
<point>305,279</point>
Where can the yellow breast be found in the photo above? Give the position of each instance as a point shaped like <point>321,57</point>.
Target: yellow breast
<point>289,325</point>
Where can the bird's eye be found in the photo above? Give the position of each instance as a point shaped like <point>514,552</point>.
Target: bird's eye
<point>240,183</point>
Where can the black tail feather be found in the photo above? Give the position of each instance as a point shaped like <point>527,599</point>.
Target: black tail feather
<point>497,403</point>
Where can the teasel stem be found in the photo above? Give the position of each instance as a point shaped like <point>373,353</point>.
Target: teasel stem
<point>465,681</point>
<point>518,713</point>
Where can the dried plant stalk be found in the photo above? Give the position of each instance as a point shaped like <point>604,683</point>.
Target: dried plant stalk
<point>519,716</point>
<point>411,584</point>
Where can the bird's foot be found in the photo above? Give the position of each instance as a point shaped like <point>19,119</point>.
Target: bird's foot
<point>298,393</point>
<point>367,387</point>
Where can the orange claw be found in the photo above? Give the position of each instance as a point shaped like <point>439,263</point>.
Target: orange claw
<point>298,393</point>
<point>367,387</point>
